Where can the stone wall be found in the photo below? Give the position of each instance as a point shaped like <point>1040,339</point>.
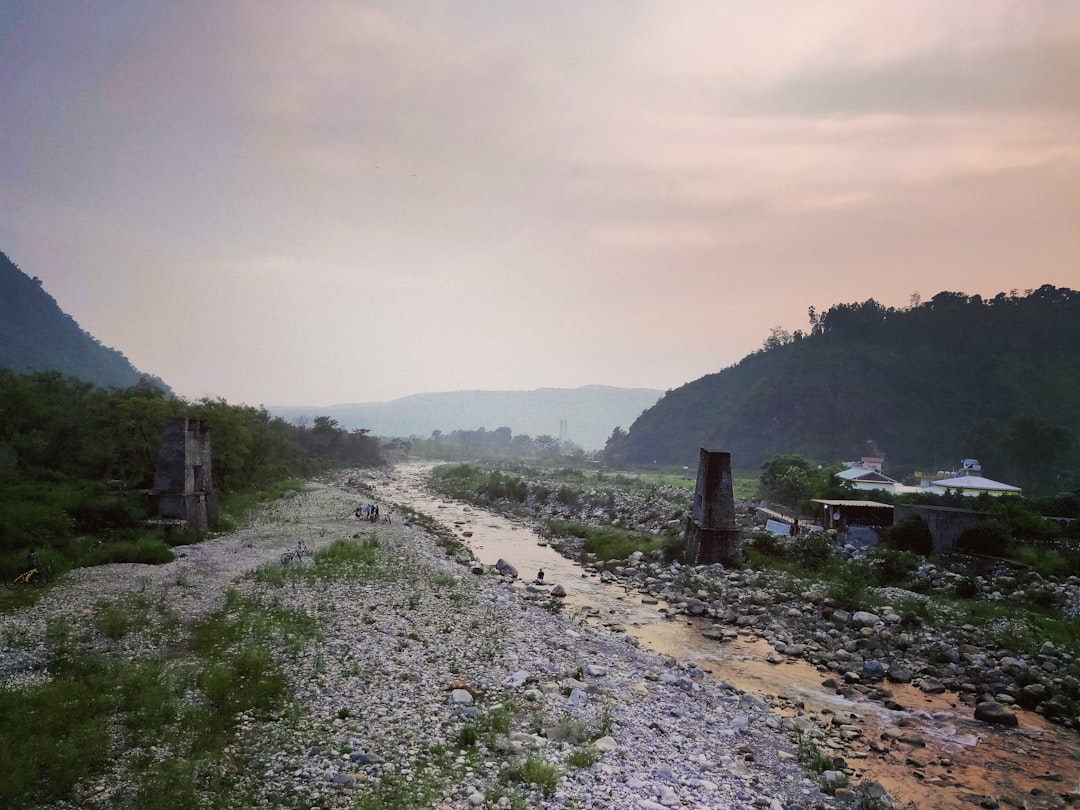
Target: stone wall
<point>946,523</point>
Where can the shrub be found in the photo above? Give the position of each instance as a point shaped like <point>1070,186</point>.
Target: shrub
<point>910,534</point>
<point>541,493</point>
<point>537,772</point>
<point>813,550</point>
<point>891,566</point>
<point>1046,561</point>
<point>811,758</point>
<point>113,620</point>
<point>848,590</point>
<point>567,496</point>
<point>966,588</point>
<point>989,537</point>
<point>583,757</point>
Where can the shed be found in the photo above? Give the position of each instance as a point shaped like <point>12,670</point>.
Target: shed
<point>839,515</point>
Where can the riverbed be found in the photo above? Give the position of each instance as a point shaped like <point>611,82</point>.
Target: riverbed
<point>960,763</point>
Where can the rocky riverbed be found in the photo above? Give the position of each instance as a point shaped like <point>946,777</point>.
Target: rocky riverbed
<point>426,684</point>
<point>962,711</point>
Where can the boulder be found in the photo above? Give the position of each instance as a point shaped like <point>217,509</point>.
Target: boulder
<point>995,714</point>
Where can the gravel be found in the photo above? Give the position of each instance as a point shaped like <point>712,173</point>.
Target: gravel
<point>426,674</point>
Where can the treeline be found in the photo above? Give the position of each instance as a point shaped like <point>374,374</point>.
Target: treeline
<point>77,461</point>
<point>491,445</point>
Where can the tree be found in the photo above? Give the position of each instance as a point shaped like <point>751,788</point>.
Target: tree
<point>615,447</point>
<point>787,479</point>
<point>1033,447</point>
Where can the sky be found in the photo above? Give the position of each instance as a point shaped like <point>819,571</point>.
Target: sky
<point>314,203</point>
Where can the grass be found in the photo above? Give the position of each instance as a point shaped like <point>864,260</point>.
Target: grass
<point>584,757</point>
<point>533,770</point>
<point>608,543</point>
<point>811,758</point>
<point>73,728</point>
<point>234,505</point>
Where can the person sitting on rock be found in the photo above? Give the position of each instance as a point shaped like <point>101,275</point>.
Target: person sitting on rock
<point>540,577</point>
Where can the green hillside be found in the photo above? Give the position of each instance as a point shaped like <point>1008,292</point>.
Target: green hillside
<point>957,376</point>
<point>36,335</point>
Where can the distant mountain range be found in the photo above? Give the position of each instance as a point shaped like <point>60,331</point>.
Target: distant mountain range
<point>590,413</point>
<point>36,335</point>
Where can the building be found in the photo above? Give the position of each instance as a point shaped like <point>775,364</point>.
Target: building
<point>866,475</point>
<point>867,478</point>
<point>970,485</point>
<point>968,480</point>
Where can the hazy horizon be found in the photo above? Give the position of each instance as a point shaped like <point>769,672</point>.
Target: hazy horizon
<point>342,202</point>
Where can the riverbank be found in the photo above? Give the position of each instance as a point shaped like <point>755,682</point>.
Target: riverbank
<point>417,684</point>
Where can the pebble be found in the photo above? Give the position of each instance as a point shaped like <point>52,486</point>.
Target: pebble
<point>391,652</point>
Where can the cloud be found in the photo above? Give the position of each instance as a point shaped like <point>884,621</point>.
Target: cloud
<point>389,198</point>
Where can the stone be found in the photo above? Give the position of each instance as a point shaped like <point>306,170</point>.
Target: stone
<point>995,714</point>
<point>863,618</point>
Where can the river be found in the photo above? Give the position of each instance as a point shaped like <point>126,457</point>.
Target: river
<point>962,764</point>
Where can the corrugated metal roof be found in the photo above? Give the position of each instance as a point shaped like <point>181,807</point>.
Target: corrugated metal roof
<point>852,503</point>
<point>974,482</point>
<point>861,474</point>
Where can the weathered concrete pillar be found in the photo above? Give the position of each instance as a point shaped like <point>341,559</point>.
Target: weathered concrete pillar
<point>183,482</point>
<point>711,535</point>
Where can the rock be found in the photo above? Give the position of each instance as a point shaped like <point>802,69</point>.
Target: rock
<point>863,618</point>
<point>605,744</point>
<point>873,671</point>
<point>505,568</point>
<point>932,686</point>
<point>898,673</point>
<point>995,714</point>
<point>558,591</point>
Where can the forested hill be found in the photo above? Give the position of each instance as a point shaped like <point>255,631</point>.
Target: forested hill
<point>36,335</point>
<point>954,377</point>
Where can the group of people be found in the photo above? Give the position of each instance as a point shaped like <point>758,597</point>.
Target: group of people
<point>369,512</point>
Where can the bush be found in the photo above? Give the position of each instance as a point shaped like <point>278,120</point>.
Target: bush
<point>813,550</point>
<point>541,493</point>
<point>910,534</point>
<point>966,588</point>
<point>1047,562</point>
<point>989,537</point>
<point>891,566</point>
<point>567,496</point>
<point>848,591</point>
<point>583,757</point>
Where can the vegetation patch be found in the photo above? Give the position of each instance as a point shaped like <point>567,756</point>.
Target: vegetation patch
<point>609,543</point>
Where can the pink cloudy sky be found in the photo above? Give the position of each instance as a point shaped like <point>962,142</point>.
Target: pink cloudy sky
<point>325,202</point>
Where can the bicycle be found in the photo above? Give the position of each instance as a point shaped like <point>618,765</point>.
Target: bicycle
<point>297,553</point>
<point>33,577</point>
